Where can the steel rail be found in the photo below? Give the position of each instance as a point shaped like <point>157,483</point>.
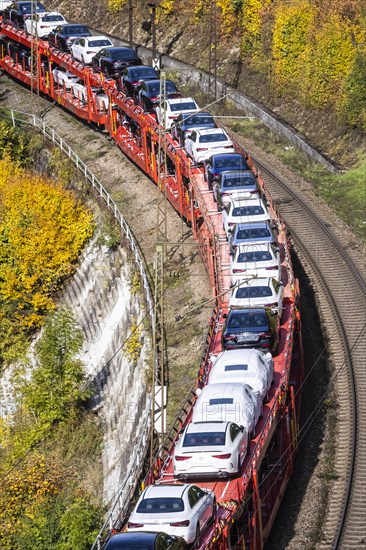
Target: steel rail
<point>348,531</point>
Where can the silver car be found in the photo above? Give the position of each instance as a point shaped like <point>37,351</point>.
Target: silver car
<point>180,510</point>
<point>210,450</point>
<point>262,260</point>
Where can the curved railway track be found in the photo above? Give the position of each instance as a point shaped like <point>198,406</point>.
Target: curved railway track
<point>341,291</point>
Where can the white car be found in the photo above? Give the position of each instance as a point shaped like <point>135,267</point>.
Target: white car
<point>210,449</point>
<point>256,259</point>
<point>85,48</point>
<point>100,97</point>
<point>257,292</point>
<point>228,402</point>
<point>245,366</point>
<point>180,510</point>
<point>43,23</point>
<point>63,78</point>
<point>244,211</point>
<point>173,108</point>
<point>202,143</point>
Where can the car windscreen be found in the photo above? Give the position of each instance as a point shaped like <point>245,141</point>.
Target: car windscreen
<point>248,210</point>
<point>248,321</point>
<point>253,233</point>
<point>229,368</point>
<point>205,439</point>
<point>238,181</point>
<point>230,163</point>
<point>253,292</point>
<point>99,43</point>
<point>122,54</point>
<point>142,72</point>
<point>197,120</point>
<point>52,18</point>
<point>161,505</point>
<point>76,29</point>
<point>255,256</point>
<point>153,87</point>
<point>189,105</point>
<point>212,138</point>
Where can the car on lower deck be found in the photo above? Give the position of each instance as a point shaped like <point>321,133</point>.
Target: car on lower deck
<point>63,78</point>
<point>210,450</point>
<point>180,510</point>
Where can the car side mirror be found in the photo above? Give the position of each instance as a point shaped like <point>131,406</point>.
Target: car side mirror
<point>230,230</point>
<point>242,429</point>
<point>224,315</point>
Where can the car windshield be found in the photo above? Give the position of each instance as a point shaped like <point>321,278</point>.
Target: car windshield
<point>253,292</point>
<point>27,8</point>
<point>253,233</point>
<point>229,368</point>
<point>204,439</point>
<point>75,29</point>
<point>255,256</point>
<point>229,162</point>
<point>153,87</point>
<point>248,211</point>
<point>137,73</point>
<point>122,54</point>
<point>52,18</point>
<point>189,105</point>
<point>160,505</point>
<point>248,321</point>
<point>197,120</point>
<point>221,401</point>
<point>211,138</point>
<point>99,43</point>
<point>238,181</point>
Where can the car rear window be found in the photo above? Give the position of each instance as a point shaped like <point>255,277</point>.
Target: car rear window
<point>135,73</point>
<point>256,256</point>
<point>160,505</point>
<point>99,43</point>
<point>52,18</point>
<point>153,87</point>
<point>123,54</point>
<point>204,439</point>
<point>253,292</point>
<point>253,233</point>
<point>211,138</point>
<point>76,29</point>
<point>248,211</point>
<point>197,120</point>
<point>238,181</point>
<point>229,368</point>
<point>248,320</point>
<point>221,401</point>
<point>183,106</point>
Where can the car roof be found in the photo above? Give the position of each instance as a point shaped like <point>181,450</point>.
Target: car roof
<point>134,67</point>
<point>246,310</point>
<point>208,131</point>
<point>165,490</point>
<point>134,537</point>
<point>181,100</point>
<point>204,427</point>
<point>221,156</point>
<point>253,225</point>
<point>232,173</point>
<point>201,113</point>
<point>247,202</point>
<point>99,37</point>
<point>252,247</point>
<point>121,48</point>
<point>237,355</point>
<point>223,389</point>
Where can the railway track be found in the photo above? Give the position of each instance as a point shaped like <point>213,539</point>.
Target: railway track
<point>341,292</point>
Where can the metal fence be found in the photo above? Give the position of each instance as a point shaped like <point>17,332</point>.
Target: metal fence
<point>127,488</point>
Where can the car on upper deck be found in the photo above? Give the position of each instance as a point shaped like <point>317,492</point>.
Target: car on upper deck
<point>180,510</point>
<point>244,211</point>
<point>254,292</point>
<point>130,78</point>
<point>210,449</point>
<point>244,366</point>
<point>203,142</point>
<point>185,123</point>
<point>173,108</point>
<point>63,36</point>
<point>262,260</point>
<point>216,164</point>
<point>251,328</point>
<point>112,60</point>
<point>148,93</point>
<point>251,233</point>
<point>229,186</point>
<point>85,48</point>
<point>17,13</point>
<point>41,24</point>
<point>145,541</point>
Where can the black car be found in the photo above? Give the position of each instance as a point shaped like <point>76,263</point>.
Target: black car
<point>216,164</point>
<point>146,541</point>
<point>148,93</point>
<point>186,122</point>
<point>63,36</point>
<point>131,77</point>
<point>111,61</point>
<point>251,328</point>
<point>18,12</point>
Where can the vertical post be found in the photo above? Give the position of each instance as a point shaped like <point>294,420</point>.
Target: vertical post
<point>153,4</point>
<point>130,23</point>
<point>212,54</point>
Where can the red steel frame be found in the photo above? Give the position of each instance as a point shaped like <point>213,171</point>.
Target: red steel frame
<point>247,505</point>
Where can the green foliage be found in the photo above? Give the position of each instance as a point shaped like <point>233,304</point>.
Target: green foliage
<point>56,385</point>
<point>78,525</point>
<point>352,104</point>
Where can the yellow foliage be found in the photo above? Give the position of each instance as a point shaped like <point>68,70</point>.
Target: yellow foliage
<point>133,344</point>
<point>115,5</point>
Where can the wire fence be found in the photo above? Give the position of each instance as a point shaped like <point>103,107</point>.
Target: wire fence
<point>127,488</point>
